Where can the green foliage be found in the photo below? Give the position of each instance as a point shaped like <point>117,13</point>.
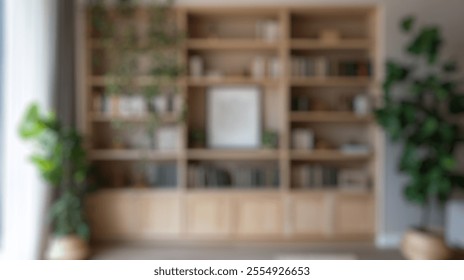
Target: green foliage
<point>159,43</point>
<point>407,24</point>
<point>419,118</point>
<point>61,160</point>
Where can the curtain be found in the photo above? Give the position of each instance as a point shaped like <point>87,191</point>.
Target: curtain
<point>64,86</point>
<point>29,64</point>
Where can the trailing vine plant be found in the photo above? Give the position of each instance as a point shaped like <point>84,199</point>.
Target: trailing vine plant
<point>130,42</point>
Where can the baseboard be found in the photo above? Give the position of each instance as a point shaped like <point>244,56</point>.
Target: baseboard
<point>388,240</point>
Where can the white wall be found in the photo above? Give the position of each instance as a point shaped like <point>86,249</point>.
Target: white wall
<point>449,15</point>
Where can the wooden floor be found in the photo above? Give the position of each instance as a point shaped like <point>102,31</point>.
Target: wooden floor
<point>245,250</point>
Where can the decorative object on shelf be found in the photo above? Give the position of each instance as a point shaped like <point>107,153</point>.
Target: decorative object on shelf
<point>197,138</point>
<point>420,121</point>
<point>161,104</point>
<point>319,105</point>
<point>300,103</point>
<point>354,180</point>
<point>258,67</point>
<point>270,139</point>
<point>131,105</point>
<point>302,139</point>
<point>361,105</point>
<point>322,144</point>
<point>329,36</point>
<point>197,67</point>
<point>234,117</point>
<point>61,161</point>
<point>274,69</point>
<point>354,148</point>
<point>167,138</point>
<point>267,30</point>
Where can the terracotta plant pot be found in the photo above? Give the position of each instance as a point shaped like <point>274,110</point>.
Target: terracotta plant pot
<point>70,247</point>
<point>424,245</point>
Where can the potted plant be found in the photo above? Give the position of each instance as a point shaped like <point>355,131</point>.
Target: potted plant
<point>420,98</point>
<point>61,161</point>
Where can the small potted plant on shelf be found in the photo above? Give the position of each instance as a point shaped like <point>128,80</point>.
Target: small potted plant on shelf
<point>61,160</point>
<point>420,98</point>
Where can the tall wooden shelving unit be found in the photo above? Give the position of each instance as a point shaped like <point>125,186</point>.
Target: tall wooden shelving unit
<point>285,212</point>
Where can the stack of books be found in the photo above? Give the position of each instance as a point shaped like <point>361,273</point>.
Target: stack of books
<point>315,176</point>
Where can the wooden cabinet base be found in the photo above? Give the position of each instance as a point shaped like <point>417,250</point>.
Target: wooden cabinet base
<point>229,216</point>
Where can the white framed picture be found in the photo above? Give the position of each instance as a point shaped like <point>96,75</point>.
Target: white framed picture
<point>234,117</point>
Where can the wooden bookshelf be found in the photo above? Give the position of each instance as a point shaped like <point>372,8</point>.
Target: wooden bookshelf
<point>188,211</point>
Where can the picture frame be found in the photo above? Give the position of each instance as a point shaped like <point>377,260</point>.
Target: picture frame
<point>234,117</point>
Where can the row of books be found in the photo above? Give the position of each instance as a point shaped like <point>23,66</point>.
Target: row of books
<point>135,105</point>
<point>203,175</point>
<point>161,175</point>
<point>313,176</point>
<point>322,67</point>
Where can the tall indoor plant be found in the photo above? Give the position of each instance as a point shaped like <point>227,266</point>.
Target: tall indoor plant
<point>420,99</point>
<point>61,161</point>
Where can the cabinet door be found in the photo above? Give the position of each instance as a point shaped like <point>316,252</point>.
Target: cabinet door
<point>354,214</point>
<point>261,216</point>
<point>310,214</point>
<point>208,215</point>
<point>158,215</point>
<point>111,215</point>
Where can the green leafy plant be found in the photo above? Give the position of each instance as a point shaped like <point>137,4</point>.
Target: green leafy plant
<point>61,161</point>
<point>420,98</point>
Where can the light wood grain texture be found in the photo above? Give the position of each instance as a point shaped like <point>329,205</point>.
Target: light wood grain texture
<point>354,214</point>
<point>270,213</point>
<point>230,44</point>
<point>328,116</point>
<point>327,155</point>
<point>259,217</point>
<point>209,215</point>
<point>309,214</point>
<point>212,154</point>
<point>344,44</point>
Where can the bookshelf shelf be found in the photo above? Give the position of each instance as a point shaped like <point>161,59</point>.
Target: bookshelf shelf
<point>102,81</point>
<point>230,44</point>
<point>337,117</point>
<point>234,190</point>
<point>344,44</point>
<point>327,155</point>
<point>132,155</point>
<point>212,154</point>
<point>203,82</point>
<point>331,81</point>
<point>236,194</point>
<point>167,118</point>
<point>330,190</point>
